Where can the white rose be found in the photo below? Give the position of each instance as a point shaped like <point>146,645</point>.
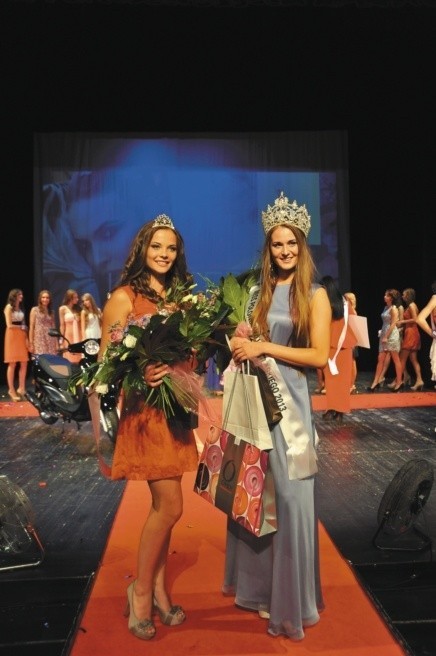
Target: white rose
<point>102,388</point>
<point>187,298</point>
<point>130,341</point>
<point>124,356</point>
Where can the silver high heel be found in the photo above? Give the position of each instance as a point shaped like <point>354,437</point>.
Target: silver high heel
<point>172,617</point>
<point>143,629</point>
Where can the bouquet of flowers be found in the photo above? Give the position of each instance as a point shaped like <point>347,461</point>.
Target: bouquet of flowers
<point>180,333</point>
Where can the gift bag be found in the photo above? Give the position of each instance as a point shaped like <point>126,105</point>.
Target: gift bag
<point>243,409</point>
<point>234,476</point>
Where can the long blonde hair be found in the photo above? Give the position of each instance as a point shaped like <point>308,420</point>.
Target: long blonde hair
<point>300,291</point>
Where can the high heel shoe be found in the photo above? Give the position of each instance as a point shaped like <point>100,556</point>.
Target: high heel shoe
<point>143,629</point>
<point>398,387</point>
<point>417,387</point>
<point>318,390</point>
<point>172,617</point>
<point>373,388</point>
<point>14,397</point>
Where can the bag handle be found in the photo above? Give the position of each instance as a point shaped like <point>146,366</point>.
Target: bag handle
<point>232,392</point>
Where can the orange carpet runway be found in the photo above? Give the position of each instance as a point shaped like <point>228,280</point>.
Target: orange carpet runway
<point>350,625</point>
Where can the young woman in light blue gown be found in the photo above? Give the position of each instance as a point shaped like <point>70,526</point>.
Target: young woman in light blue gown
<point>278,575</point>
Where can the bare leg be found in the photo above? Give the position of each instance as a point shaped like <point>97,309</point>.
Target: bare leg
<point>379,369</point>
<point>10,377</point>
<point>22,378</point>
<point>166,509</point>
<point>417,367</point>
<point>385,367</point>
<point>398,369</point>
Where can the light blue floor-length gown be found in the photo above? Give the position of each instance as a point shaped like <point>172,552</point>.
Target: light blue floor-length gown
<point>279,573</point>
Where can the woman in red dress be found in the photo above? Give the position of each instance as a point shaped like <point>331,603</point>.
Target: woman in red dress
<point>411,341</point>
<point>147,449</point>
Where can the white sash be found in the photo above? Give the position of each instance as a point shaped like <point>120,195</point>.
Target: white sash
<point>300,454</point>
<point>332,362</point>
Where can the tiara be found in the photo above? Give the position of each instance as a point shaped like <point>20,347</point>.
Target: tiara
<point>284,212</point>
<point>163,221</point>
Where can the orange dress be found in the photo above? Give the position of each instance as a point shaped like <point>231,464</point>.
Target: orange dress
<point>338,387</point>
<point>15,349</point>
<point>146,448</point>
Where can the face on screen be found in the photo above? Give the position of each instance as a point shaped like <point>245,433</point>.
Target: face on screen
<point>102,233</point>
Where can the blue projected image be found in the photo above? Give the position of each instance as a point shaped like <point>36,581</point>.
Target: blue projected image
<point>90,216</point>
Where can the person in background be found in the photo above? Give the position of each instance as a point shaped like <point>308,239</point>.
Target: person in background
<point>69,323</point>
<point>41,319</point>
<point>398,302</point>
<point>338,372</point>
<point>389,343</point>
<point>422,321</point>
<point>90,318</point>
<point>278,575</point>
<point>16,349</point>
<point>351,297</point>
<point>147,449</point>
<point>411,339</point>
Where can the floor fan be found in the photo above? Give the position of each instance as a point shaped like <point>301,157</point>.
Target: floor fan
<point>20,545</point>
<point>401,504</point>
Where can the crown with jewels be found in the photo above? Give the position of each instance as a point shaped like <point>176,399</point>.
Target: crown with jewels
<point>283,212</point>
<point>163,221</point>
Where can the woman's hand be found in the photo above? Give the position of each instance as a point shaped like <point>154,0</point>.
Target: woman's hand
<point>154,373</point>
<point>243,349</point>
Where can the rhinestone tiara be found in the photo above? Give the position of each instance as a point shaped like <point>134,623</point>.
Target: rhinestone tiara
<point>283,212</point>
<point>163,221</point>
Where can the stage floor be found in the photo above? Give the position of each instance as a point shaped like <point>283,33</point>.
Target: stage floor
<point>74,507</point>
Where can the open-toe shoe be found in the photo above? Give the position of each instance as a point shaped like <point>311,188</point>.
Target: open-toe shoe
<point>172,617</point>
<point>143,629</point>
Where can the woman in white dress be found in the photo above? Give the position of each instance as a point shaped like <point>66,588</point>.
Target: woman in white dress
<point>90,318</point>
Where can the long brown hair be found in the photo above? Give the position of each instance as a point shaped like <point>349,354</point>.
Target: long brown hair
<point>135,272</point>
<point>300,291</point>
<point>42,308</point>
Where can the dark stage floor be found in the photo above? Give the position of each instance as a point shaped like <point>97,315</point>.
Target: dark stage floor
<point>74,507</point>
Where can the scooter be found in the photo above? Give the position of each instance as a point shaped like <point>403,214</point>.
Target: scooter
<point>52,396</point>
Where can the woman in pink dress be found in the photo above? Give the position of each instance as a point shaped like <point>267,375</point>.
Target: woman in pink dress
<point>69,322</point>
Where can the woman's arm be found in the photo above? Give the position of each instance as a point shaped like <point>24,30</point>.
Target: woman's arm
<point>315,355</point>
<point>421,319</point>
<point>82,324</point>
<point>116,311</point>
<point>32,319</point>
<point>8,315</point>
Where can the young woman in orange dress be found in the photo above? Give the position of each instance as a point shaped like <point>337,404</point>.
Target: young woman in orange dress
<point>16,344</point>
<point>147,448</point>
